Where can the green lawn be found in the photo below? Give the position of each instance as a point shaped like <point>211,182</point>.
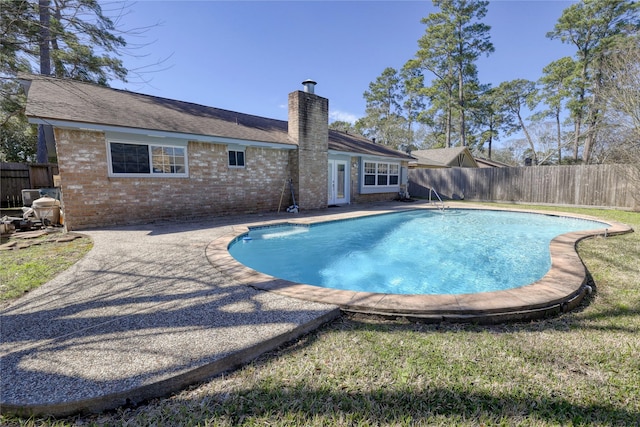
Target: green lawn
<point>582,368</point>
<point>22,270</point>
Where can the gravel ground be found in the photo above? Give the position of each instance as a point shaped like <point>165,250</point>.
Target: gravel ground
<point>144,314</point>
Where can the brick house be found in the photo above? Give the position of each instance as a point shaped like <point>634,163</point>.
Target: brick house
<point>126,157</point>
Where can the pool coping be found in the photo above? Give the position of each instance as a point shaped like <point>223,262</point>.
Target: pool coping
<point>560,290</point>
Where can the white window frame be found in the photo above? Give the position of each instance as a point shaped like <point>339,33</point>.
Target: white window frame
<point>383,173</point>
<point>150,143</point>
<point>244,157</point>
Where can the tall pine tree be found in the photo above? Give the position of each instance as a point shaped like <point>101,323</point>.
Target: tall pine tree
<point>454,40</point>
<point>65,38</point>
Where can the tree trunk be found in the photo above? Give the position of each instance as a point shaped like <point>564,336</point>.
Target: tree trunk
<point>449,83</point>
<point>58,66</point>
<point>490,137</point>
<point>590,140</point>
<point>529,140</point>
<point>576,139</point>
<point>45,68</point>
<point>449,119</point>
<point>594,114</point>
<point>588,145</point>
<point>559,136</point>
<point>45,37</point>
<point>580,115</point>
<point>463,140</point>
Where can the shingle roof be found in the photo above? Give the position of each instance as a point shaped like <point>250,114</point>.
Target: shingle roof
<point>491,163</point>
<point>72,101</point>
<point>443,156</point>
<point>344,142</point>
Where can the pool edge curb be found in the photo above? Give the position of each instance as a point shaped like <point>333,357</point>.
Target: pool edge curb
<point>562,288</point>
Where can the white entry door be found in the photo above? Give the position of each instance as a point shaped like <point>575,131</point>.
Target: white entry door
<point>338,182</point>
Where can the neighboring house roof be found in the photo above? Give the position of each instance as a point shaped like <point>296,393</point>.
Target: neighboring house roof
<point>69,102</point>
<point>487,163</point>
<point>445,157</point>
<point>422,161</point>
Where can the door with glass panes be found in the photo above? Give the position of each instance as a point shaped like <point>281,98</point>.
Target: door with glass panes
<point>338,182</point>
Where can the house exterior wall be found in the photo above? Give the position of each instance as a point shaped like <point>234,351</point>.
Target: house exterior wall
<point>91,198</point>
<point>357,197</point>
<point>293,175</point>
<point>377,197</point>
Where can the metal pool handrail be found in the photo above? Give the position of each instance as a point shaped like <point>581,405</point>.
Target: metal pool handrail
<point>441,207</point>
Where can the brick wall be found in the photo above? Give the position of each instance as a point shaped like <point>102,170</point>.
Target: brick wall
<point>92,199</point>
<point>309,126</point>
<point>375,197</point>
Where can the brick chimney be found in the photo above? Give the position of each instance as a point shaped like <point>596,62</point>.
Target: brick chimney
<point>309,127</point>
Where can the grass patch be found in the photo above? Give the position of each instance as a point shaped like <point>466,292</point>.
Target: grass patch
<point>25,269</point>
<point>579,369</point>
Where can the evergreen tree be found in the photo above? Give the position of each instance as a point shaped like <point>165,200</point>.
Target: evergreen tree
<point>65,38</point>
<point>556,85</point>
<point>513,97</point>
<point>18,140</point>
<point>454,40</point>
<point>413,95</point>
<point>592,26</point>
<point>383,120</point>
<point>492,118</point>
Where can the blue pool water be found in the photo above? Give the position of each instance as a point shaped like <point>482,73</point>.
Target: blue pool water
<point>415,252</point>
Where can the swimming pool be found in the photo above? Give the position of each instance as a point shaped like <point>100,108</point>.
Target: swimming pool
<point>416,252</point>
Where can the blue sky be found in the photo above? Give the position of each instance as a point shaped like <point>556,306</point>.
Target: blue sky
<point>247,56</point>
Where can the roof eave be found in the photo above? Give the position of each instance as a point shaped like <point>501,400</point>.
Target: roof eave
<point>369,155</point>
<point>159,133</point>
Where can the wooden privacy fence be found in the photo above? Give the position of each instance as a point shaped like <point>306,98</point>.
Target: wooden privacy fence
<point>14,177</point>
<point>616,186</point>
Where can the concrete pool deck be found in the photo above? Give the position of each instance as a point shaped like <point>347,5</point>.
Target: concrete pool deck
<point>154,308</point>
